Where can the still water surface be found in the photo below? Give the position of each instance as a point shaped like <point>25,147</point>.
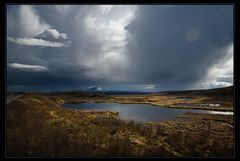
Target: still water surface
<point>138,112</point>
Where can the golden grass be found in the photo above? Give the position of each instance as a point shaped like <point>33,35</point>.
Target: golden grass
<point>37,126</point>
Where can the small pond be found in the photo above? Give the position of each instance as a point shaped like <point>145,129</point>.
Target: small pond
<point>185,98</point>
<point>138,112</point>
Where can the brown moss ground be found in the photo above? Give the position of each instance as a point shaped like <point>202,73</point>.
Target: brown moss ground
<point>170,101</point>
<point>37,126</point>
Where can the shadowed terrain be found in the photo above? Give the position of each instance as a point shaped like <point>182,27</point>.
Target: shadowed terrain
<point>172,99</point>
<point>37,125</point>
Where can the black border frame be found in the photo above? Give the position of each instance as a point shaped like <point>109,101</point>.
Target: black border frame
<point>150,2</point>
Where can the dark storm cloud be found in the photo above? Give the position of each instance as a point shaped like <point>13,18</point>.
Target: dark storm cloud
<point>161,51</point>
<point>94,55</point>
<point>161,47</point>
<point>57,79</point>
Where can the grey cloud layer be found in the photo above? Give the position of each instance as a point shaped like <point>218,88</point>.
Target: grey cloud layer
<point>163,47</point>
<point>25,25</point>
<point>35,42</point>
<point>160,47</point>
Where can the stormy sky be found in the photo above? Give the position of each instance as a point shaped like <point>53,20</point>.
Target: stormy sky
<point>119,47</point>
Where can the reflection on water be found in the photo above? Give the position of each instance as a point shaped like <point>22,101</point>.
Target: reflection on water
<point>138,112</point>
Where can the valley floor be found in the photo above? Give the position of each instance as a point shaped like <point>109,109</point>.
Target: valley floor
<point>37,125</point>
<point>170,101</point>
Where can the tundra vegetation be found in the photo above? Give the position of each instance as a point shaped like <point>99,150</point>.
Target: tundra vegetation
<point>37,125</point>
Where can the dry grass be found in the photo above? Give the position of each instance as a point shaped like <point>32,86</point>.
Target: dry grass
<point>37,126</point>
<point>171,101</point>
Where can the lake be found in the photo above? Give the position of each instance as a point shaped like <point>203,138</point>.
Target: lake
<point>138,112</point>
<point>186,98</point>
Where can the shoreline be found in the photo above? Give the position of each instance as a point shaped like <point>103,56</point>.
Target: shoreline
<point>154,104</point>
<point>52,130</point>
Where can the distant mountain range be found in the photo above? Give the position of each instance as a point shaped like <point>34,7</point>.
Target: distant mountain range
<point>94,90</point>
<point>124,92</point>
<point>215,91</point>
